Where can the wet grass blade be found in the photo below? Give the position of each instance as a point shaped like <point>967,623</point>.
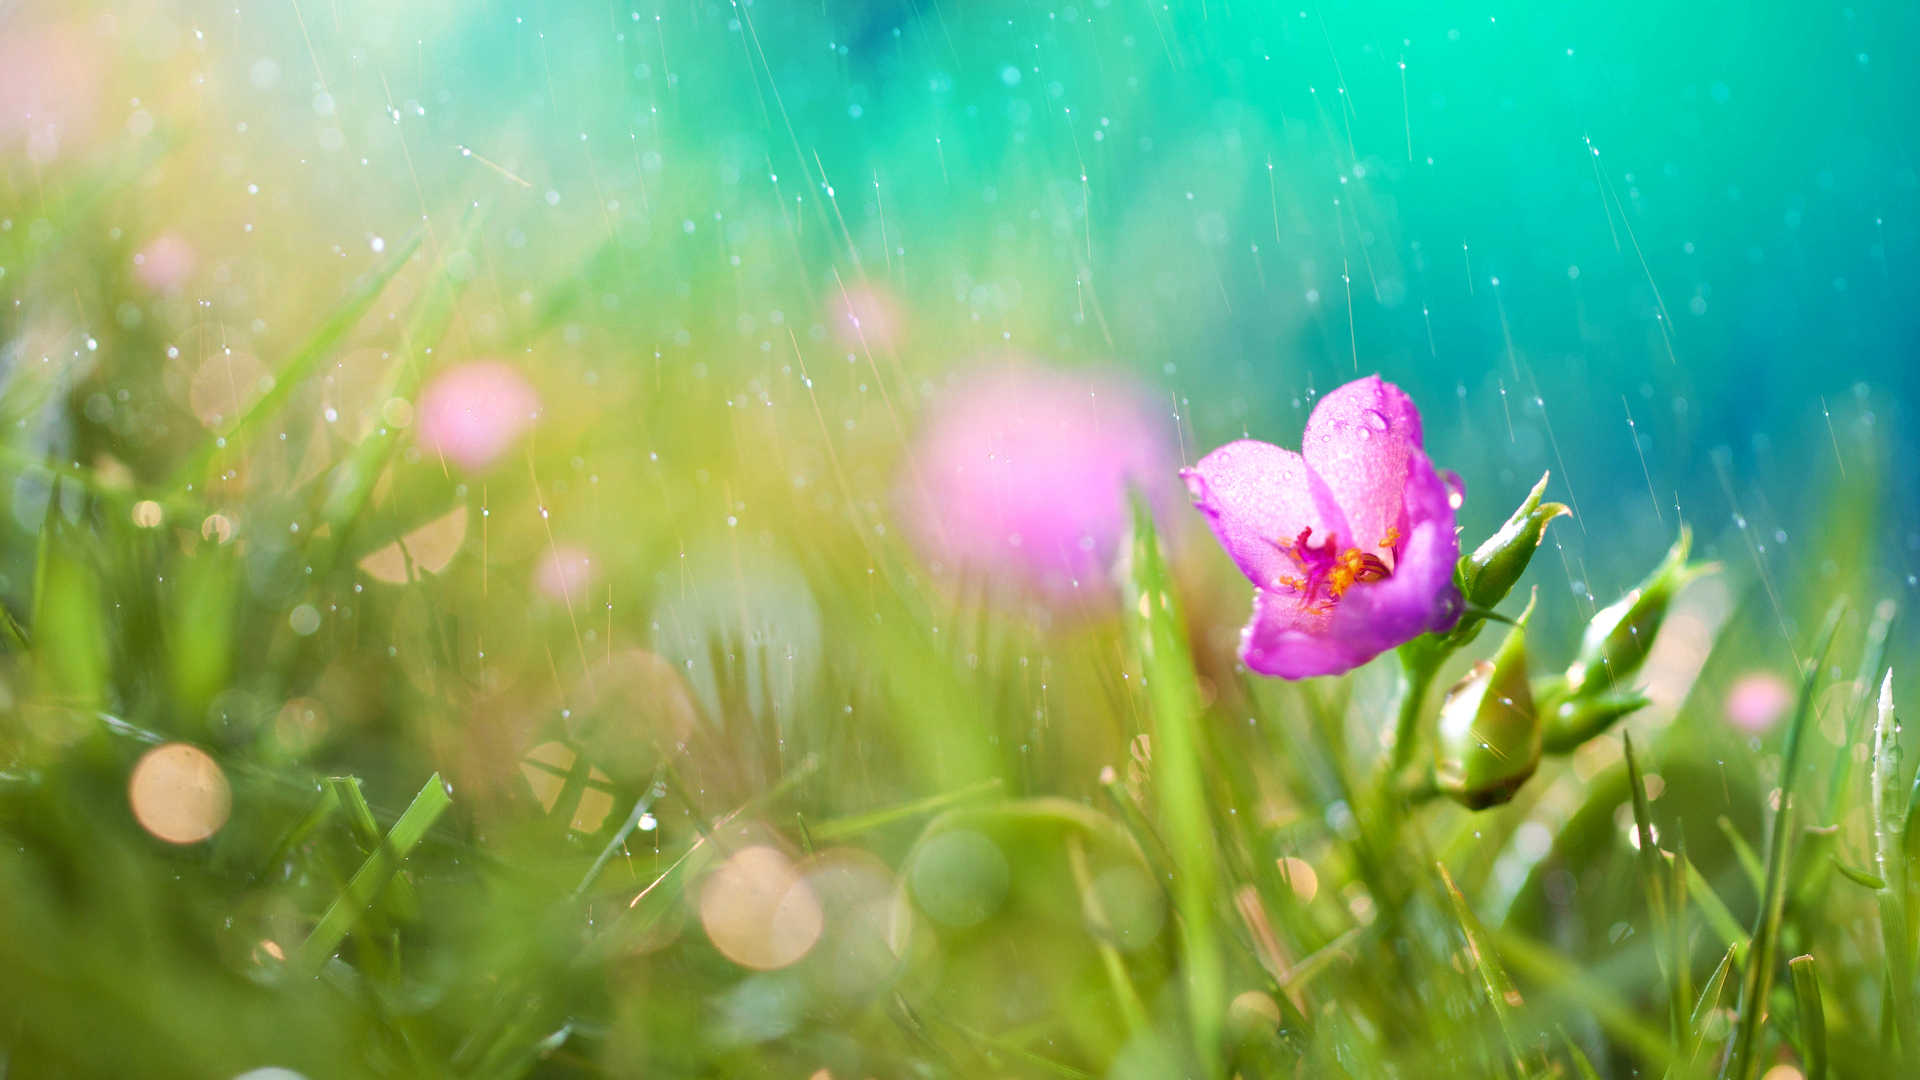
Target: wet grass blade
<point>1813,1016</point>
<point>1890,842</point>
<point>1718,916</point>
<point>1499,985</point>
<point>1158,642</point>
<point>1743,1061</point>
<point>399,899</point>
<point>360,296</point>
<point>426,808</point>
<point>1652,873</point>
<point>1709,1002</point>
<point>655,789</point>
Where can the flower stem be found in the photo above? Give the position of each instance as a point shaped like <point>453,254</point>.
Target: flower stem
<point>1419,663</point>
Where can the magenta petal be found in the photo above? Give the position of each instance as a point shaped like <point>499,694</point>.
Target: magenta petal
<point>1358,440</point>
<point>1256,495</point>
<point>1289,641</point>
<point>1420,597</point>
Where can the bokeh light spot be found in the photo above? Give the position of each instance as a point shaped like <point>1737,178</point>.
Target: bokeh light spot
<point>179,793</point>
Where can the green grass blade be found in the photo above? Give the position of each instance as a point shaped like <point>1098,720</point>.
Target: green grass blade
<point>353,480</point>
<point>360,296</point>
<point>1709,1002</point>
<point>322,807</point>
<point>1564,979</point>
<point>1158,639</point>
<point>1890,843</point>
<point>1743,851</point>
<point>839,828</point>
<point>1652,873</point>
<point>398,895</point>
<point>1718,916</point>
<point>1859,877</point>
<point>1493,975</point>
<point>648,908</point>
<point>1582,1067</point>
<point>1743,1061</point>
<point>1813,1016</point>
<point>426,808</point>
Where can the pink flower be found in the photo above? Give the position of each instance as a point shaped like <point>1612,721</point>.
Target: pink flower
<point>1023,476</point>
<point>165,262</point>
<point>1757,700</point>
<point>1350,544</point>
<point>472,413</point>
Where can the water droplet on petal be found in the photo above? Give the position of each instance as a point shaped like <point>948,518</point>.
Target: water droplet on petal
<point>1374,419</point>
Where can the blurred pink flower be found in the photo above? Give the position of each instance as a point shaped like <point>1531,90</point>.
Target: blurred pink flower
<point>165,262</point>
<point>473,412</point>
<point>1023,474</point>
<point>1350,543</point>
<point>1757,700</point>
<point>564,574</point>
<point>49,86</point>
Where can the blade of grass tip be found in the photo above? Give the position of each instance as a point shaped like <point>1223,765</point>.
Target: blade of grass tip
<point>1744,853</point>
<point>1718,915</point>
<point>1813,1016</point>
<point>366,832</point>
<point>1582,1067</point>
<point>1756,987</point>
<point>655,790</point>
<point>1652,873</point>
<point>1889,825</point>
<point>1159,641</point>
<point>426,808</point>
<point>1499,985</point>
<point>1704,1009</point>
<point>346,314</point>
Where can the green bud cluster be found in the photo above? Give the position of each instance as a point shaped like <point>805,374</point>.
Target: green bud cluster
<point>1497,721</point>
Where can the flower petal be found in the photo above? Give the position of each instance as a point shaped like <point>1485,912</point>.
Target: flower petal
<point>1358,440</point>
<point>1420,596</point>
<point>1256,495</point>
<point>1291,641</point>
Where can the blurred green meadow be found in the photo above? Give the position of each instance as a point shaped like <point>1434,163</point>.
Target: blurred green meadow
<point>475,605</point>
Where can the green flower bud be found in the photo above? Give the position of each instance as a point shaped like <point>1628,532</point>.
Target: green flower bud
<point>1567,723</point>
<point>1489,738</point>
<point>1618,639</point>
<point>1489,574</point>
